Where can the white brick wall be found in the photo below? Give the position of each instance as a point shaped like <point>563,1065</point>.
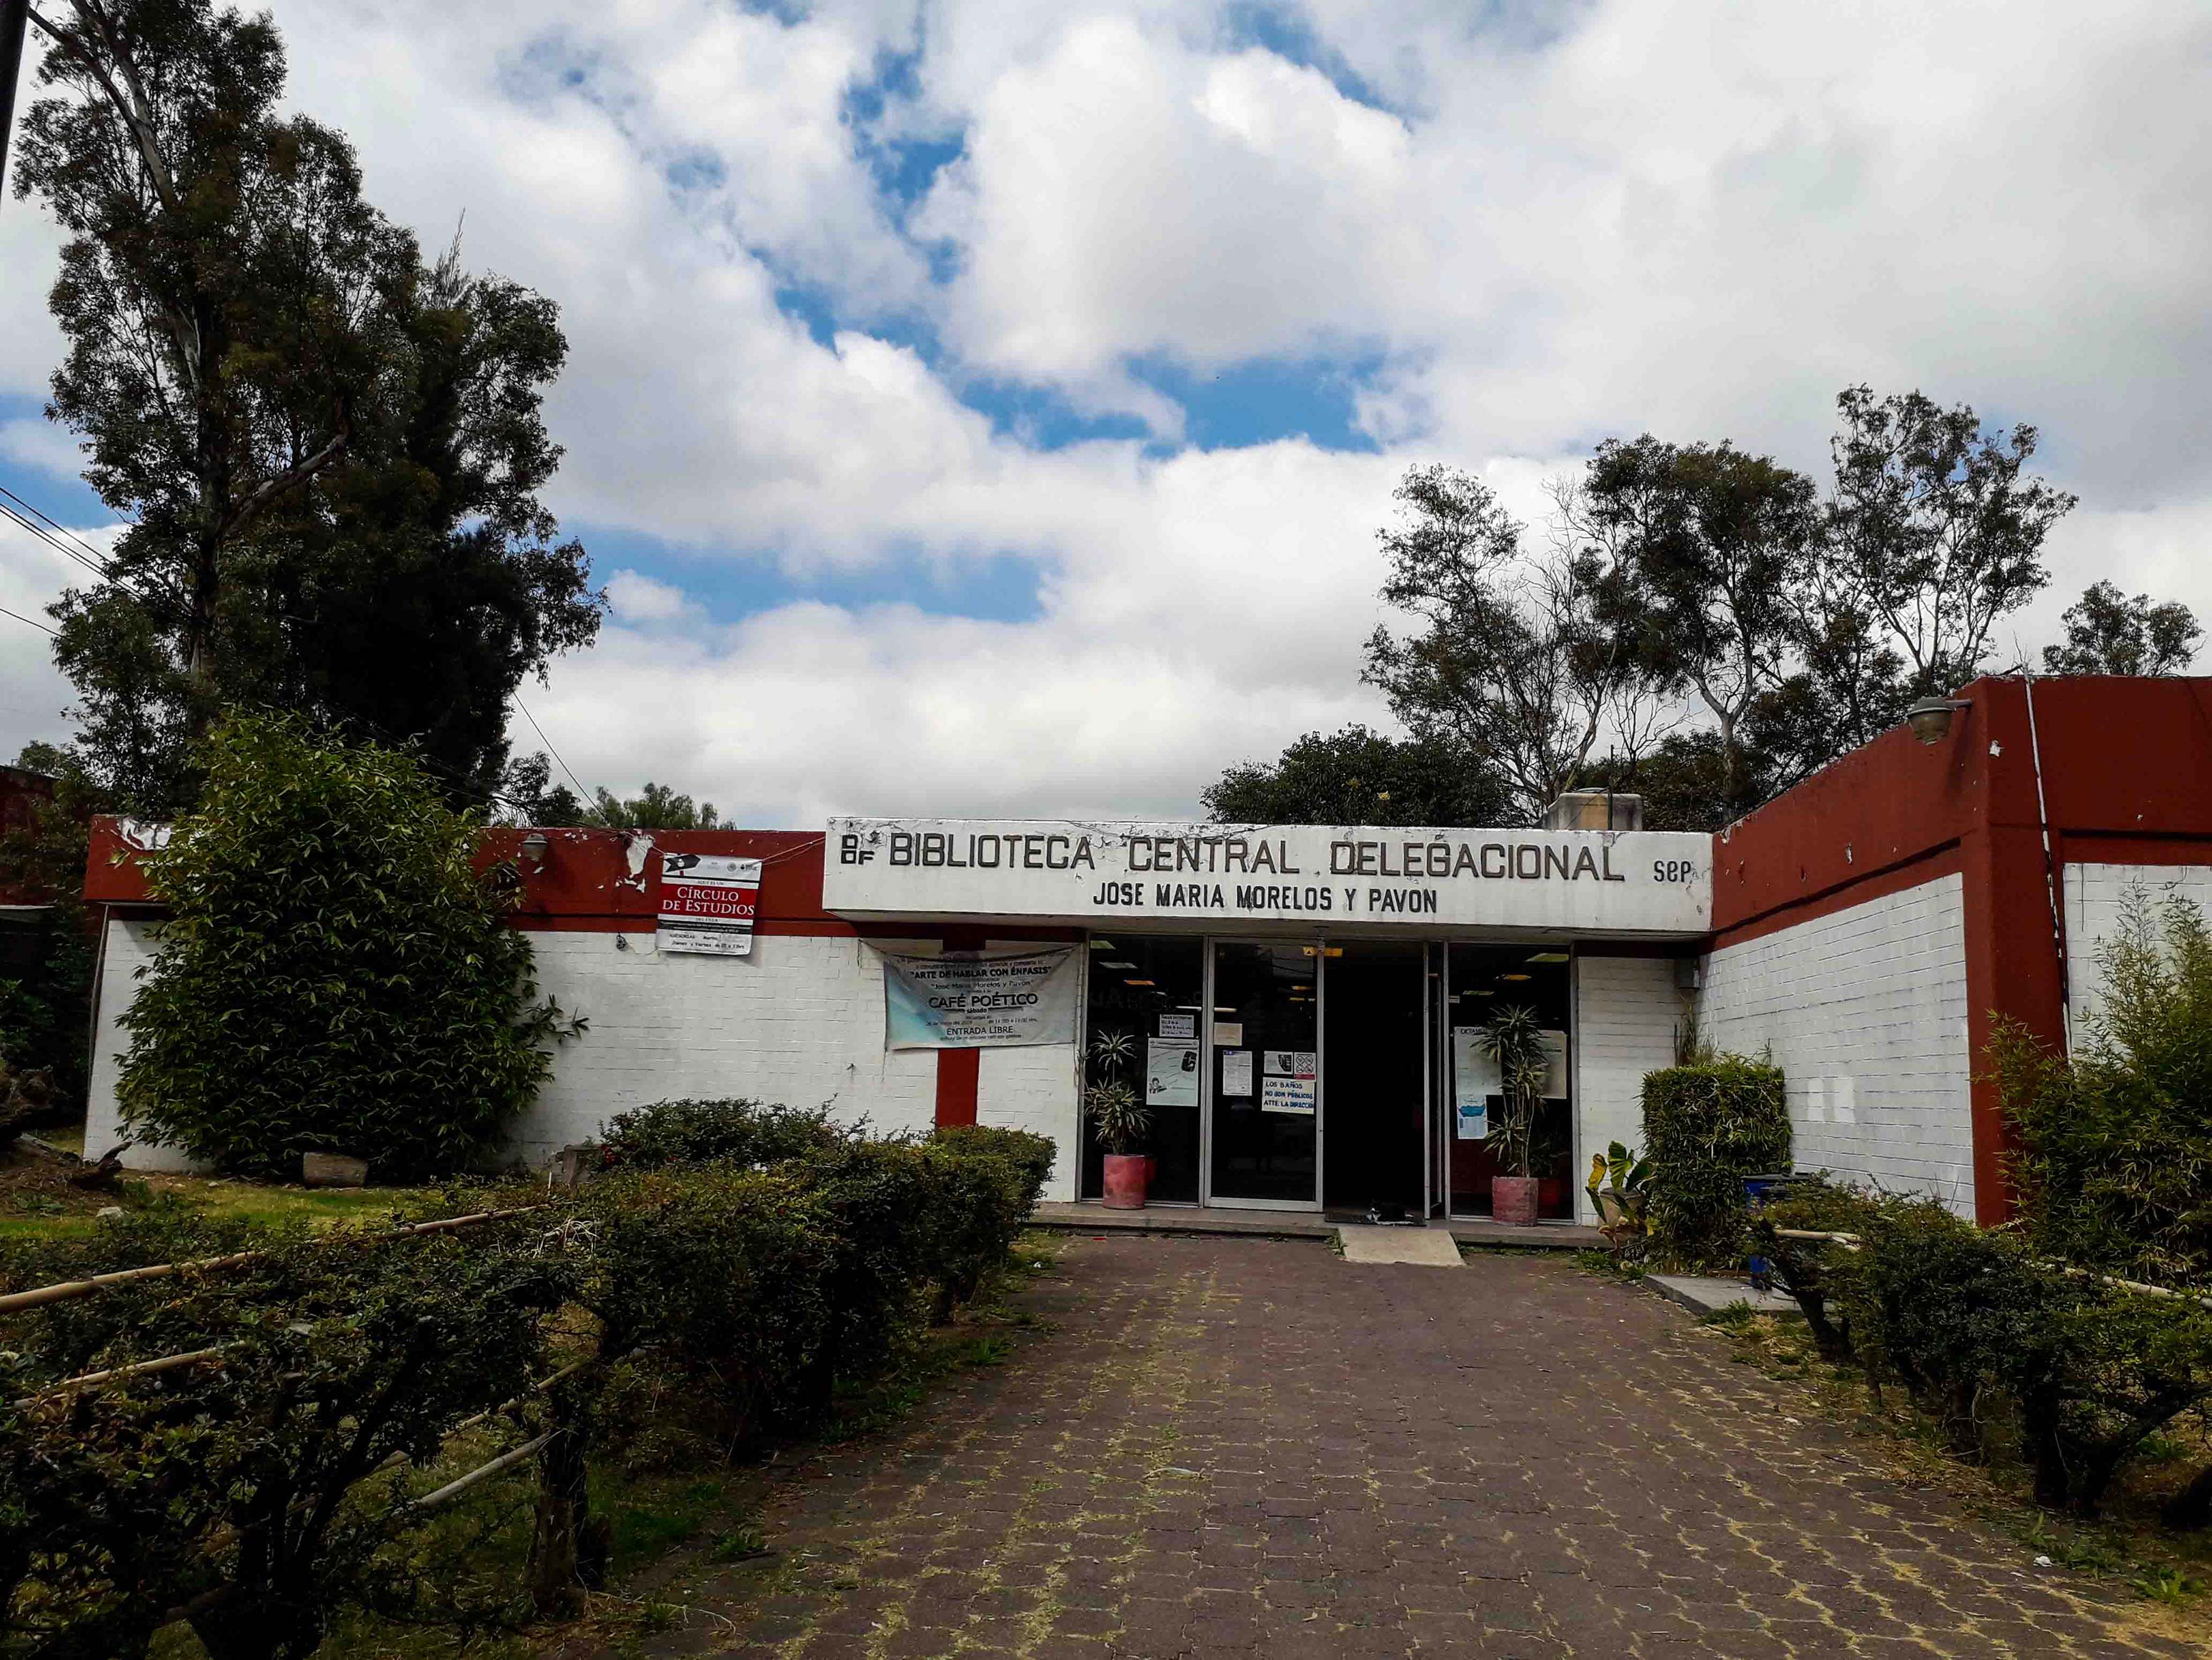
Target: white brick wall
<point>1865,1011</point>
<point>2093,895</point>
<point>1625,1012</point>
<point>800,1021</point>
<point>128,948</point>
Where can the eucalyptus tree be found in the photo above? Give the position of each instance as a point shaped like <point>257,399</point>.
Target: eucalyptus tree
<point>326,453</point>
<point>1939,527</point>
<point>2109,633</point>
<point>1525,660</point>
<point>1720,544</point>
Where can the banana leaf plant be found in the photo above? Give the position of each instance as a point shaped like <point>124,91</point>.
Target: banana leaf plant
<point>1620,1190</point>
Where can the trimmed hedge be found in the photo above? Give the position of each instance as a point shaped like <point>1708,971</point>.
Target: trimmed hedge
<point>756,1257</point>
<point>1707,1126</point>
<point>824,1248</point>
<point>1996,1342</point>
<point>736,1131</point>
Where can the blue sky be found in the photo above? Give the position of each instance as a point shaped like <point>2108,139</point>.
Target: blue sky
<point>986,410</point>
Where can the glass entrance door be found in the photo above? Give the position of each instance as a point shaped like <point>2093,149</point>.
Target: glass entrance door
<point>1264,1074</point>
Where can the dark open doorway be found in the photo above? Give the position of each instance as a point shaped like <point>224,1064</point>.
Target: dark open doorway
<point>1372,1084</point>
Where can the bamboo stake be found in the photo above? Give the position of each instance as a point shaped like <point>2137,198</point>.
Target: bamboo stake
<point>1851,1242</point>
<point>66,1289</point>
<point>117,1374</point>
<point>461,1485</point>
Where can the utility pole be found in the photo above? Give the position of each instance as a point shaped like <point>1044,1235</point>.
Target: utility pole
<point>15,19</point>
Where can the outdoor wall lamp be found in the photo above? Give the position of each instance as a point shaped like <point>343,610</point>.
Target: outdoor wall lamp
<point>535,848</point>
<point>1931,718</point>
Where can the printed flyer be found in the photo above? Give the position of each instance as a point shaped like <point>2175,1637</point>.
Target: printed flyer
<point>707,904</point>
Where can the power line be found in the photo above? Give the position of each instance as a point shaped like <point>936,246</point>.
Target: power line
<point>55,525</point>
<point>20,617</point>
<point>548,742</point>
<point>51,541</point>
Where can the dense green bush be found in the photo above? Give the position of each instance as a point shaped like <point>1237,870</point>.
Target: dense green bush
<point>1706,1126</point>
<point>333,976</point>
<point>242,1496</point>
<point>1996,1342</point>
<point>249,1496</point>
<point>727,1271</point>
<point>735,1131</point>
<point>1812,1271</point>
<point>2115,1162</point>
<point>989,1180</point>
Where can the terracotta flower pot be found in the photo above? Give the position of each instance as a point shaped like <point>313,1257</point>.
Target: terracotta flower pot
<point>1127,1175</point>
<point>1513,1199</point>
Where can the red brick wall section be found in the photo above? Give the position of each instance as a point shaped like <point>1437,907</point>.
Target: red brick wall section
<point>2126,777</point>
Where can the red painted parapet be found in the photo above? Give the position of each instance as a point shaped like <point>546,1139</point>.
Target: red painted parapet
<point>2124,770</point>
<point>569,878</point>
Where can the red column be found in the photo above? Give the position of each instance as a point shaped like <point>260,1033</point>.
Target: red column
<point>2012,955</point>
<point>958,1070</point>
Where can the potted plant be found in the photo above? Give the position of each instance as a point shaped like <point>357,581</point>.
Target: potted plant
<point>1121,1120</point>
<point>1620,1190</point>
<point>1514,1041</point>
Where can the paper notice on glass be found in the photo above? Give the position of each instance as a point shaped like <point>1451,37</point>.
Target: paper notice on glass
<point>1235,1073</point>
<point>1170,1072</point>
<point>1227,1034</point>
<point>1179,1025</point>
<point>1555,1065</point>
<point>1286,1095</point>
<point>1474,1080</point>
<point>1287,1063</point>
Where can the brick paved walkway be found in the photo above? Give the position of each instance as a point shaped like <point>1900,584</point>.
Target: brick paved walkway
<point>1233,1447</point>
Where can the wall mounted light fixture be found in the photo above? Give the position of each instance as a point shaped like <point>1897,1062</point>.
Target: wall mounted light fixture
<point>535,848</point>
<point>1931,718</point>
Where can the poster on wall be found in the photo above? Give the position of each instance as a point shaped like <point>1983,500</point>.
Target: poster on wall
<point>1170,1072</point>
<point>972,999</point>
<point>706,904</point>
<point>1237,1073</point>
<point>1474,1080</point>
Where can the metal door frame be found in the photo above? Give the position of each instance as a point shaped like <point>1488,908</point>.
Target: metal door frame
<point>1207,1196</point>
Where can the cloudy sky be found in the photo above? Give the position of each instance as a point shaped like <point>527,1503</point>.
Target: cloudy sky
<point>983,408</point>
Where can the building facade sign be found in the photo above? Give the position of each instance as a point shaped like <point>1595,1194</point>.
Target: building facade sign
<point>1331,876</point>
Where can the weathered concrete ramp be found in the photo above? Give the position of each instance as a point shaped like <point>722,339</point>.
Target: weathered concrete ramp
<point>1430,1248</point>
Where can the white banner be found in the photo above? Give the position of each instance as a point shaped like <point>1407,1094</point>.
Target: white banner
<point>969,1001</point>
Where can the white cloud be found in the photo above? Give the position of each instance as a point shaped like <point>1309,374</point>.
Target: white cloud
<point>637,599</point>
<point>33,694</point>
<point>1693,217</point>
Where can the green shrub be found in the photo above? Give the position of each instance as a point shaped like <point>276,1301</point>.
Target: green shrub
<point>736,1131</point>
<point>1706,1126</point>
<point>1812,1271</point>
<point>988,1182</point>
<point>243,1492</point>
<point>333,976</point>
<point>1986,1334</point>
<point>2107,1372</point>
<point>1945,1307</point>
<point>2115,1162</point>
<point>725,1270</point>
